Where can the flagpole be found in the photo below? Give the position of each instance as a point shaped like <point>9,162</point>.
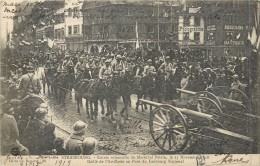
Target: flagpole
<point>158,36</point>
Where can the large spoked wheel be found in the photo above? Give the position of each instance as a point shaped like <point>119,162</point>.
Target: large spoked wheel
<point>211,96</point>
<point>209,106</point>
<point>238,95</point>
<point>168,128</point>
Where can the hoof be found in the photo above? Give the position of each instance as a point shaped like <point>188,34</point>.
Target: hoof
<point>92,121</point>
<point>128,118</point>
<point>143,113</point>
<point>102,112</point>
<point>78,113</point>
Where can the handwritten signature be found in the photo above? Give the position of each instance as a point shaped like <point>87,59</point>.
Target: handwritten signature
<point>230,159</point>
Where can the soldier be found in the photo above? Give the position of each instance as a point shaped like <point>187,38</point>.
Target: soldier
<point>167,67</point>
<point>118,67</point>
<point>89,146</point>
<point>236,84</point>
<point>80,66</point>
<point>29,83</point>
<point>105,71</point>
<point>73,144</point>
<point>149,69</point>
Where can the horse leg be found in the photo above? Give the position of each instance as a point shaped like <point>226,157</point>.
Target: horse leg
<point>112,109</point>
<point>151,100</point>
<point>95,108</point>
<point>101,99</point>
<point>43,88</point>
<point>91,110</point>
<point>87,108</point>
<point>78,105</point>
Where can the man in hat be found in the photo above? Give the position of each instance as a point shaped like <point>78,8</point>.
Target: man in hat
<point>89,146</point>
<point>167,67</point>
<point>80,66</point>
<point>105,71</point>
<point>118,67</point>
<point>34,130</point>
<point>236,84</point>
<point>73,144</point>
<point>10,134</point>
<point>29,84</point>
<point>149,69</point>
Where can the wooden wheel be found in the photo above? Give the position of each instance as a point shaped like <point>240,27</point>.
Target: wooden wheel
<point>236,94</point>
<point>209,106</point>
<point>211,96</point>
<point>168,129</point>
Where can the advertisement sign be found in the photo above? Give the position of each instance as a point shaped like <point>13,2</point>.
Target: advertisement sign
<point>193,29</point>
<point>234,27</point>
<point>233,43</point>
<point>211,28</point>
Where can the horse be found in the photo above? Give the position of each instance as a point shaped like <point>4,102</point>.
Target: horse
<point>91,90</point>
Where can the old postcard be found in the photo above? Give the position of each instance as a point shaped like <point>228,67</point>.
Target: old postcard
<point>115,82</point>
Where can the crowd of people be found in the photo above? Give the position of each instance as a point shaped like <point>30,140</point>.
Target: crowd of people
<point>38,137</point>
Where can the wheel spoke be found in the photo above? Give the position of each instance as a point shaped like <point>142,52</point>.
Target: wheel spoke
<point>160,136</point>
<point>163,116</point>
<point>160,119</point>
<point>159,129</point>
<point>177,132</point>
<point>159,124</point>
<point>177,127</point>
<point>165,139</point>
<point>170,139</point>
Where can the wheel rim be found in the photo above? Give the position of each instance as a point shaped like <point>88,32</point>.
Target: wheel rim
<point>168,129</point>
<point>206,105</point>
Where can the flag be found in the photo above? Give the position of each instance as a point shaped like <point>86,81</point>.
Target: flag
<point>137,45</point>
<point>253,36</point>
<point>238,36</point>
<point>50,42</point>
<point>258,43</point>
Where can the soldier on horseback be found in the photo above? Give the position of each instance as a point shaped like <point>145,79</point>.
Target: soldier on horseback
<point>118,67</point>
<point>29,84</point>
<point>105,71</point>
<point>149,69</point>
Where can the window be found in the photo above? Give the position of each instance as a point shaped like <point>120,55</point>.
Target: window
<point>62,33</point>
<point>229,18</point>
<point>58,36</point>
<point>186,21</point>
<point>197,21</point>
<point>175,28</point>
<point>123,29</point>
<point>76,12</point>
<point>69,12</point>
<point>55,34</point>
<point>150,29</point>
<point>128,12</point>
<point>210,36</point>
<point>76,29</point>
<point>186,36</point>
<point>197,36</point>
<point>69,30</point>
<point>130,28</point>
<point>229,36</point>
<point>165,13</point>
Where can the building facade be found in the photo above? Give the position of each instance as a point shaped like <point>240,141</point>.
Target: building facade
<point>228,26</point>
<point>73,19</point>
<point>126,24</point>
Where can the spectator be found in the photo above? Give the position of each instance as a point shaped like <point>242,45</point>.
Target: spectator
<point>48,138</point>
<point>73,144</point>
<point>10,134</point>
<point>89,145</point>
<point>34,131</point>
<point>59,146</point>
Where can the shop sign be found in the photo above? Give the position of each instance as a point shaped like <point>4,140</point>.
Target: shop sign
<point>211,28</point>
<point>193,29</point>
<point>234,27</point>
<point>233,43</point>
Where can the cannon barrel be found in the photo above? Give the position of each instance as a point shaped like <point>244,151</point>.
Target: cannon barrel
<point>185,111</point>
<point>186,91</point>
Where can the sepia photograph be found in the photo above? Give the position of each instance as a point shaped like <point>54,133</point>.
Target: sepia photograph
<point>152,82</point>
